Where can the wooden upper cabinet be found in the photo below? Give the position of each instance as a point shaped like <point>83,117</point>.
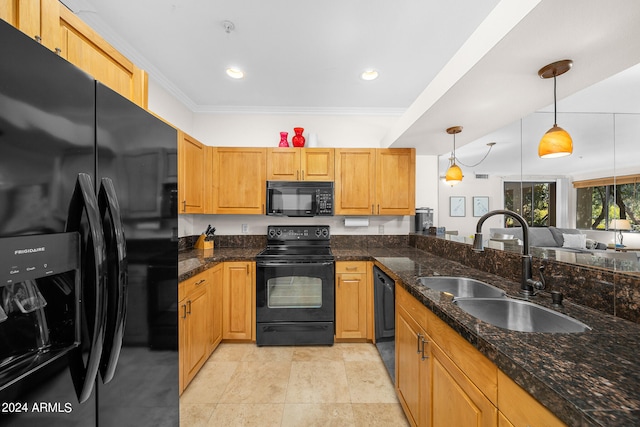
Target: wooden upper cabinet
<point>317,164</point>
<point>84,48</point>
<point>39,19</point>
<point>355,181</point>
<point>192,156</point>
<point>395,181</point>
<point>300,164</point>
<point>239,180</point>
<point>283,164</point>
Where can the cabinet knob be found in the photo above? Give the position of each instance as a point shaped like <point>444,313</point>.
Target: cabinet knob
<point>189,305</point>
<point>351,268</point>
<point>58,51</point>
<point>184,311</point>
<point>303,175</point>
<point>184,206</point>
<point>199,282</point>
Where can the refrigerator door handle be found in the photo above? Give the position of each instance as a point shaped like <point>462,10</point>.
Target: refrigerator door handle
<point>117,278</point>
<point>94,264</point>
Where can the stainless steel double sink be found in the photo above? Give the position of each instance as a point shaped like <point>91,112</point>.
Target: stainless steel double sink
<point>490,304</point>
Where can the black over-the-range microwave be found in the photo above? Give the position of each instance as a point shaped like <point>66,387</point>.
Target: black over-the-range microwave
<point>299,198</point>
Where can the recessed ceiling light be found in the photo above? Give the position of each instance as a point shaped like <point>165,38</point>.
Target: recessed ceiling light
<point>369,75</point>
<point>235,73</point>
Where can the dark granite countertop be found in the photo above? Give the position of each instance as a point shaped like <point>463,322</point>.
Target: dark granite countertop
<point>194,261</point>
<point>590,378</point>
<point>586,379</point>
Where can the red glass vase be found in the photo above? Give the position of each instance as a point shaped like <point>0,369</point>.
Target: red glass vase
<point>283,139</point>
<point>297,139</point>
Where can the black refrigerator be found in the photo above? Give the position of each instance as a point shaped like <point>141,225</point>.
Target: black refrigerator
<point>88,249</point>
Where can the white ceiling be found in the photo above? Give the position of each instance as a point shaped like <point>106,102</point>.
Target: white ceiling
<point>298,55</point>
<point>472,63</point>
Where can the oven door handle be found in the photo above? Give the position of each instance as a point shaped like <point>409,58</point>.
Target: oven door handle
<point>290,263</point>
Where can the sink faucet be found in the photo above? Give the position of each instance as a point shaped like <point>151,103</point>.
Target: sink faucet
<point>528,286</point>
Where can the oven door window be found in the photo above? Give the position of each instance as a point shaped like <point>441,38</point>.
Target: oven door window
<point>294,292</point>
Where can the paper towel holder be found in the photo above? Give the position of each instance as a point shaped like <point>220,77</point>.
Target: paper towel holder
<point>356,222</point>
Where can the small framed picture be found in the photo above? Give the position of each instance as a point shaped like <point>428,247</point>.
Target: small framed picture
<point>480,205</point>
<point>457,206</point>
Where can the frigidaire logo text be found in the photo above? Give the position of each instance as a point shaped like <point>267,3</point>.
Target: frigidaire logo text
<point>28,250</point>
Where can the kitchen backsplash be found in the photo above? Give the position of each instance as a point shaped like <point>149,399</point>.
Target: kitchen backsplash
<point>226,241</point>
<point>611,292</point>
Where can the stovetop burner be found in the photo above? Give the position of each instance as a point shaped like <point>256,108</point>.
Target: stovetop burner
<point>299,242</point>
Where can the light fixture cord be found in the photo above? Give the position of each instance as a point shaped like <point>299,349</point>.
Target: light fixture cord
<point>454,147</point>
<point>476,164</point>
<point>555,108</point>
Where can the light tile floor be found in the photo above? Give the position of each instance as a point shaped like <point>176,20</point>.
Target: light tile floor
<point>245,385</point>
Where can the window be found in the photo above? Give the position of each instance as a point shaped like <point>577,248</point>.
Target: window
<point>535,201</point>
<point>601,200</point>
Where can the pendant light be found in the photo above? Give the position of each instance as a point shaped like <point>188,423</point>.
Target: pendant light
<point>454,173</point>
<point>556,142</point>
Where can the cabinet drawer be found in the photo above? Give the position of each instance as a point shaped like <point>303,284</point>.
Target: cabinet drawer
<point>412,306</point>
<point>351,266</point>
<point>192,284</point>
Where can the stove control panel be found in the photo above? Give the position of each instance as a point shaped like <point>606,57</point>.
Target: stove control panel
<point>298,232</point>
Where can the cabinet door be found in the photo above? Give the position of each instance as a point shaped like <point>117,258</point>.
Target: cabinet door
<point>355,181</point>
<point>182,342</point>
<point>194,325</point>
<point>456,400</point>
<point>351,300</point>
<point>238,301</point>
<point>215,307</point>
<point>317,164</point>
<point>520,408</point>
<point>412,370</point>
<point>39,19</point>
<point>395,181</point>
<point>283,164</point>
<point>240,180</point>
<point>191,172</point>
<point>84,48</point>
<point>197,331</point>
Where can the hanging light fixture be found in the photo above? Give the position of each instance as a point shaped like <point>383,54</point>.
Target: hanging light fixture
<point>557,141</point>
<point>454,173</point>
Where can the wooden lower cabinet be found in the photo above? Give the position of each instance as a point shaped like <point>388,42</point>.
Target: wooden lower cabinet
<point>413,368</point>
<point>200,321</point>
<point>215,306</point>
<point>194,320</point>
<point>238,301</point>
<point>354,293</point>
<point>456,400</point>
<point>518,408</point>
<point>456,385</point>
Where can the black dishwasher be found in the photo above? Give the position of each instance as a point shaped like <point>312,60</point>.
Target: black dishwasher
<point>384,318</point>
